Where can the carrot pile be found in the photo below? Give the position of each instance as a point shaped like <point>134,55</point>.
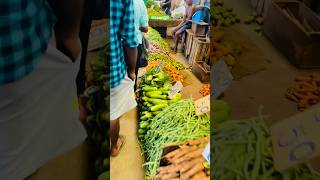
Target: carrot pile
<point>173,72</point>
<point>205,90</point>
<point>185,163</point>
<point>305,91</point>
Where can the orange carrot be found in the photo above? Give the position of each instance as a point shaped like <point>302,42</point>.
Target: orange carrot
<point>198,141</point>
<point>195,153</point>
<point>200,175</point>
<point>167,176</point>
<point>194,170</point>
<point>168,169</point>
<point>173,153</point>
<point>292,97</point>
<point>303,78</point>
<point>191,163</point>
<point>183,152</point>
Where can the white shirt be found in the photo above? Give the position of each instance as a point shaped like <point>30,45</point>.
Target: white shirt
<point>140,17</point>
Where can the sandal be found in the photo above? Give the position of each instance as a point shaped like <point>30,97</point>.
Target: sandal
<point>122,140</point>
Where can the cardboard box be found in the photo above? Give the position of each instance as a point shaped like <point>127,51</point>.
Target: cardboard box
<point>295,30</point>
<point>200,70</point>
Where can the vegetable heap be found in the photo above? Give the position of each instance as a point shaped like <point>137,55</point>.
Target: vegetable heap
<point>152,4</point>
<point>186,162</point>
<point>97,105</point>
<point>153,48</point>
<point>175,124</point>
<point>154,37</point>
<point>153,12</point>
<point>205,90</point>
<point>155,87</point>
<point>243,150</point>
<point>221,111</point>
<point>159,56</point>
<point>162,17</point>
<point>173,72</point>
<point>162,48</point>
<point>221,49</point>
<point>255,19</point>
<point>305,91</point>
<point>221,16</point>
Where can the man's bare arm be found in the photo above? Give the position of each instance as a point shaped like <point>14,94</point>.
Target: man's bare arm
<point>69,14</point>
<point>143,29</point>
<point>131,61</point>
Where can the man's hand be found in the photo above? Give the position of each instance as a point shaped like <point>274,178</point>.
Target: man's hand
<point>132,76</point>
<point>71,47</point>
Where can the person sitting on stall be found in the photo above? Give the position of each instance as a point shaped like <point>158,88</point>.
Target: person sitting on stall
<point>166,6</point>
<point>184,25</point>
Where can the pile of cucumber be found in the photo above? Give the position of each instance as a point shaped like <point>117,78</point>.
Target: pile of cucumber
<point>153,97</point>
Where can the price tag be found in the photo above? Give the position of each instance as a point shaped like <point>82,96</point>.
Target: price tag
<point>296,139</point>
<point>222,78</point>
<point>206,153</point>
<point>203,105</point>
<point>175,89</point>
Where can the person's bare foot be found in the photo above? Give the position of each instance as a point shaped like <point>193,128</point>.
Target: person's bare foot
<point>174,50</point>
<point>121,141</point>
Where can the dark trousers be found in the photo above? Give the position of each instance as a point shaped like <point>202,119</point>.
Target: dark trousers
<point>138,65</point>
<point>93,9</point>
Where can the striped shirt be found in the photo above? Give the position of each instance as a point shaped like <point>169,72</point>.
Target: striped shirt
<point>25,30</point>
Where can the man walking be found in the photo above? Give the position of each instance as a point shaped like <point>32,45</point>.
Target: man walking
<point>141,26</point>
<point>123,41</point>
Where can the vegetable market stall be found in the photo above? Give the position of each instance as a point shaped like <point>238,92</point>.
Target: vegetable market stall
<point>167,119</point>
<point>158,19</point>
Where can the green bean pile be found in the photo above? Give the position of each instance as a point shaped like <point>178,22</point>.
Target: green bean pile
<point>242,150</point>
<point>154,37</point>
<point>175,124</point>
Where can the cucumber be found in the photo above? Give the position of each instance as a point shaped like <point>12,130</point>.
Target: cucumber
<point>156,101</point>
<point>149,88</point>
<point>151,93</point>
<point>104,176</point>
<point>144,98</point>
<point>156,113</point>
<point>158,107</point>
<point>146,116</point>
<point>165,89</point>
<point>159,96</point>
<point>144,124</point>
<point>141,131</point>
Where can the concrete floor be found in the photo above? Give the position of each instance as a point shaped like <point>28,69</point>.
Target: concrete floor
<point>128,164</point>
<point>267,87</point>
